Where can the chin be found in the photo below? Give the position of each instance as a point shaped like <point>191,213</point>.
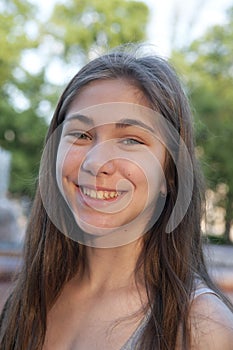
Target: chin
<point>96,228</point>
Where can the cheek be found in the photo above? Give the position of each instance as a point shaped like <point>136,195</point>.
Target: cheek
<point>147,180</point>
<point>69,160</point>
<point>134,174</point>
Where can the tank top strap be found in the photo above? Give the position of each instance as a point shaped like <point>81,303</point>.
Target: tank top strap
<point>132,341</point>
<point>203,290</point>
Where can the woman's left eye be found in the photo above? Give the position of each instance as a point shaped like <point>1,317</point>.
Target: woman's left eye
<point>131,141</point>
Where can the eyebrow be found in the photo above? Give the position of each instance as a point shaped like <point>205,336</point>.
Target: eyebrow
<point>81,117</point>
<point>122,123</point>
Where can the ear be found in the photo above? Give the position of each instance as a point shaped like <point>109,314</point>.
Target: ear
<point>163,189</point>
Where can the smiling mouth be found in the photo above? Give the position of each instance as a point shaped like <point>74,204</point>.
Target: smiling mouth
<point>101,195</point>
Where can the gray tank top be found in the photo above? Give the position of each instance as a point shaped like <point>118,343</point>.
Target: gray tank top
<point>132,341</point>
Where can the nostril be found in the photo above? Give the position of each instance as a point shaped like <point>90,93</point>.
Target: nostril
<point>97,167</point>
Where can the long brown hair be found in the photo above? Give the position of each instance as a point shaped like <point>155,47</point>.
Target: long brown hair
<point>171,262</point>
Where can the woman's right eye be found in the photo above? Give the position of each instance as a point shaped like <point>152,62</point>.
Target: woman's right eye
<point>80,135</point>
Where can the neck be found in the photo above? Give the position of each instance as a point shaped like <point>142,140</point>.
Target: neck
<point>111,268</point>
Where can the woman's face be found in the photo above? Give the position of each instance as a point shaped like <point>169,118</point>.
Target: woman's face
<point>109,162</point>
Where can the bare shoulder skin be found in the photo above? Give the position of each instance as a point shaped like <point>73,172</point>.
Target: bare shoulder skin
<point>211,324</point>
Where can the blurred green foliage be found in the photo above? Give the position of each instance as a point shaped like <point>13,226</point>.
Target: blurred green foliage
<point>207,67</point>
<point>74,29</point>
<point>81,26</point>
<point>21,131</point>
<point>13,15</point>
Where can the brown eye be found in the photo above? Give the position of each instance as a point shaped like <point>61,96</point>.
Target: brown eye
<point>80,135</point>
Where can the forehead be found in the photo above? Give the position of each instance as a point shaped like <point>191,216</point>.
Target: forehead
<point>111,101</point>
<point>107,91</point>
<point>118,113</point>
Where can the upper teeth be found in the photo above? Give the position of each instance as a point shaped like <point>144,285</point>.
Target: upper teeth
<point>99,194</point>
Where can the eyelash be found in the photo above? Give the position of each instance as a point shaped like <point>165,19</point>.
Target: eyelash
<point>78,135</point>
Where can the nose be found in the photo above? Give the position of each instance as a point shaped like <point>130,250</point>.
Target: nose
<point>99,161</point>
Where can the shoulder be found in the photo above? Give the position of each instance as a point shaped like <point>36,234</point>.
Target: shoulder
<point>211,324</point>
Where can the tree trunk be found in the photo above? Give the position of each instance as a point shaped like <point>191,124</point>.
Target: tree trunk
<point>228,216</point>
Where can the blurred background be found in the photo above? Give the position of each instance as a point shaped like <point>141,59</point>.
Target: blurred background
<point>43,44</point>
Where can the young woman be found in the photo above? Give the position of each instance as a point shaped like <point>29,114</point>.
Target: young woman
<point>113,253</point>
